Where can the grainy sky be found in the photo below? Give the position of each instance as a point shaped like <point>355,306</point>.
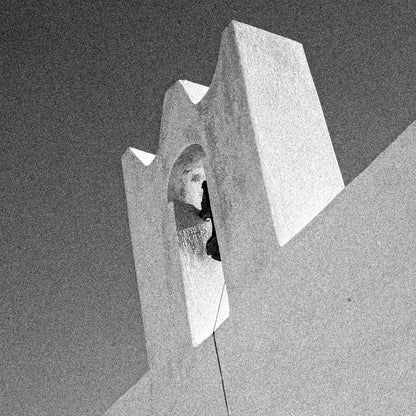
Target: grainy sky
<point>83,80</point>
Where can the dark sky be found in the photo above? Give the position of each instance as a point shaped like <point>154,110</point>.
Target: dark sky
<point>82,81</point>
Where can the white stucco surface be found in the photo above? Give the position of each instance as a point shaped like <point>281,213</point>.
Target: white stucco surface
<point>203,280</point>
<point>299,167</point>
<point>330,328</point>
<point>273,165</point>
<point>320,283</point>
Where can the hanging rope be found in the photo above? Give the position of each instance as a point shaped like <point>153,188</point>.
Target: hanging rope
<point>216,351</point>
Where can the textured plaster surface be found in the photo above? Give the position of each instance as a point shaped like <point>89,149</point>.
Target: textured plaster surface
<point>330,328</point>
<point>272,172</point>
<point>203,280</point>
<point>299,167</point>
<point>322,313</point>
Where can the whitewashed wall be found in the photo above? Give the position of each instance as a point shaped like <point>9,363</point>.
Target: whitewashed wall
<point>321,317</point>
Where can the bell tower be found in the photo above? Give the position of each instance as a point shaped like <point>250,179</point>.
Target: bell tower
<point>258,137</point>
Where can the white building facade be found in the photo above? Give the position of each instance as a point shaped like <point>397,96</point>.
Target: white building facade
<point>312,305</point>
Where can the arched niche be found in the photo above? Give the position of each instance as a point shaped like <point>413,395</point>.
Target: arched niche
<point>203,280</point>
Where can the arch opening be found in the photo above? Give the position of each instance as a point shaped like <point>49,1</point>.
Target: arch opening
<point>205,291</point>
